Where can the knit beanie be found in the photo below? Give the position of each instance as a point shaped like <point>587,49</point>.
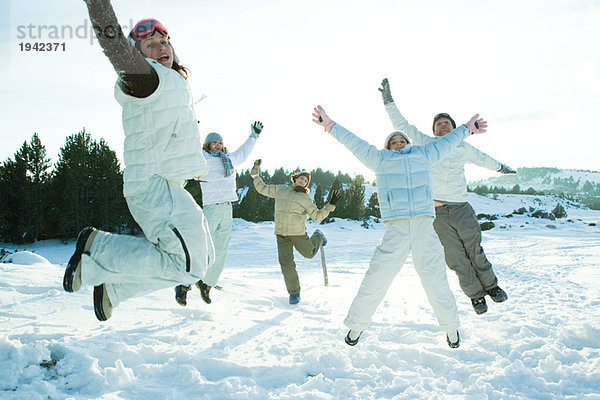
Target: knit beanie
<point>391,135</point>
<point>443,115</point>
<point>213,136</point>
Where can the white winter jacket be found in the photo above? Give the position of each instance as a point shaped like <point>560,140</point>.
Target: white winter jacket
<point>161,133</point>
<point>216,187</point>
<point>448,175</point>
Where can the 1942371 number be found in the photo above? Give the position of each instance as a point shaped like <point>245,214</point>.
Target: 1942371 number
<point>42,46</point>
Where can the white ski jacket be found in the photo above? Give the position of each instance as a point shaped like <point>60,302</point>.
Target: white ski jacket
<point>448,175</point>
<point>216,187</point>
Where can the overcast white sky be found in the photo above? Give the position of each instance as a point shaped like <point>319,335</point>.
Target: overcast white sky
<point>532,68</point>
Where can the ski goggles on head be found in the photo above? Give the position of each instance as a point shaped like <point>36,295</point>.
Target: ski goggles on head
<point>144,28</point>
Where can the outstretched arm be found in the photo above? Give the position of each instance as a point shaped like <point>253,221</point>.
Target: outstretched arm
<point>437,149</point>
<point>314,213</point>
<point>243,152</point>
<point>260,185</point>
<point>398,121</point>
<point>365,152</point>
<point>484,160</point>
<point>136,76</point>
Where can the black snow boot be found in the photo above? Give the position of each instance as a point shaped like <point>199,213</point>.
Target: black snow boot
<point>348,339</point>
<point>72,277</point>
<point>479,305</point>
<point>453,344</point>
<point>102,306</point>
<point>204,291</point>
<point>181,294</point>
<point>497,294</point>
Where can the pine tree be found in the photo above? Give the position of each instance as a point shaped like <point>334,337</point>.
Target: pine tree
<point>87,188</point>
<point>13,199</point>
<point>559,211</point>
<point>319,197</point>
<point>22,196</point>
<point>355,204</point>
<point>373,206</point>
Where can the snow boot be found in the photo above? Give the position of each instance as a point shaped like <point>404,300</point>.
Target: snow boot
<point>102,306</point>
<point>453,342</point>
<point>294,298</point>
<point>181,294</point>
<point>352,337</point>
<point>72,278</point>
<point>204,291</point>
<point>479,305</point>
<point>318,232</point>
<point>497,294</point>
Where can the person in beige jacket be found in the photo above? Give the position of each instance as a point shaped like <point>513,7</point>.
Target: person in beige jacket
<point>292,204</point>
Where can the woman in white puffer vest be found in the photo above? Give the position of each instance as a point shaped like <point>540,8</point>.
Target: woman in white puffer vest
<point>218,194</point>
<point>162,150</point>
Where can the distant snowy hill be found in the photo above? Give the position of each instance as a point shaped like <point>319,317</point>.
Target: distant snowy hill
<point>550,180</point>
<point>580,185</point>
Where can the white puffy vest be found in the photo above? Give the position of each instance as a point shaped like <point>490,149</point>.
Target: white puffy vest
<point>161,133</point>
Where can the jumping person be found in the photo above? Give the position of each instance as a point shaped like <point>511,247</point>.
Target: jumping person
<point>218,194</point>
<point>404,191</point>
<point>292,205</point>
<point>455,221</point>
<point>162,149</point>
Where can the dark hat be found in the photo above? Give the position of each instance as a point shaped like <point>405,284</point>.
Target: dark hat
<point>443,115</point>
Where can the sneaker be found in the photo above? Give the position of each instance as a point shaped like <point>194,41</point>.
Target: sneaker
<point>479,305</point>
<point>453,342</point>
<point>204,291</point>
<point>348,339</point>
<point>318,232</point>
<point>72,278</point>
<point>102,306</point>
<point>497,294</point>
<point>181,294</point>
<point>294,298</point>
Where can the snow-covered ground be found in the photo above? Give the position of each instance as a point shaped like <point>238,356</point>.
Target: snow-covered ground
<point>543,343</point>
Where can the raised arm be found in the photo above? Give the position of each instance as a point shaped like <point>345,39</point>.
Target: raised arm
<point>365,152</point>
<point>437,149</point>
<point>136,76</point>
<point>243,152</point>
<point>398,121</point>
<point>260,185</point>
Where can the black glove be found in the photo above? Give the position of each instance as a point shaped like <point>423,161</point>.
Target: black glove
<point>386,93</point>
<point>257,127</point>
<point>334,196</point>
<point>505,169</point>
<point>256,168</point>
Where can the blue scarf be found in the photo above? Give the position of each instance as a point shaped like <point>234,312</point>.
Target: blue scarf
<point>229,170</point>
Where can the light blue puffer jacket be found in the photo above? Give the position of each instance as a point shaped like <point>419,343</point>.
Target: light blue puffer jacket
<point>403,177</point>
<point>449,180</point>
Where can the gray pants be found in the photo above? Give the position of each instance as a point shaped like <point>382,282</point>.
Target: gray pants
<point>306,246</point>
<point>458,230</point>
